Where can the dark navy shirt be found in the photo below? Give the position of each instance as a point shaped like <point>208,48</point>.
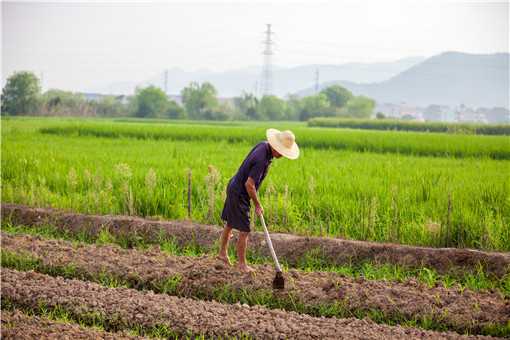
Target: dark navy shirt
<point>255,165</point>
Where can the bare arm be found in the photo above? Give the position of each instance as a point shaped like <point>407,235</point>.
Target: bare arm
<point>252,192</point>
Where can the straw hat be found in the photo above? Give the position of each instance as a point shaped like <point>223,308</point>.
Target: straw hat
<point>284,142</point>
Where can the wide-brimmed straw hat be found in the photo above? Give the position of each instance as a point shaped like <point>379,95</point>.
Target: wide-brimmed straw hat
<point>284,142</point>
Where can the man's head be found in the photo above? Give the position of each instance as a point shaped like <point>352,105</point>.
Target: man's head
<point>283,143</point>
<point>275,153</point>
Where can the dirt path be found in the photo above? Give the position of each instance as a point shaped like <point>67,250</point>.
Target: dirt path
<point>16,326</point>
<point>289,247</point>
<point>203,276</point>
<point>127,307</point>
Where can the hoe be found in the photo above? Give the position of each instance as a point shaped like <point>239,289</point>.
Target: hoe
<point>279,280</point>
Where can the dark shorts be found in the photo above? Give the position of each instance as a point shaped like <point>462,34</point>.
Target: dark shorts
<point>236,211</point>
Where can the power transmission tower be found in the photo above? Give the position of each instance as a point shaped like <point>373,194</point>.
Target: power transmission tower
<point>267,69</point>
<point>316,80</point>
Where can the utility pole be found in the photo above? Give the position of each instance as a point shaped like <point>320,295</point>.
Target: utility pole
<point>316,80</point>
<point>42,81</point>
<point>166,81</point>
<point>267,69</point>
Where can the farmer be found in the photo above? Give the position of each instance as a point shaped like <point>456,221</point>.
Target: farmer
<point>244,185</point>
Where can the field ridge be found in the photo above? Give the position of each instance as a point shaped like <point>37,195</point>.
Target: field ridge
<point>122,308</point>
<point>289,247</point>
<point>315,293</point>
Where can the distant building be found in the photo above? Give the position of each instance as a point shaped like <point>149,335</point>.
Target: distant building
<point>466,114</point>
<point>438,113</point>
<point>411,111</point>
<point>497,115</point>
<point>94,97</point>
<point>388,109</point>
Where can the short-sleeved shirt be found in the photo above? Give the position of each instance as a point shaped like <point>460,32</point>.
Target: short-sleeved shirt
<point>255,165</point>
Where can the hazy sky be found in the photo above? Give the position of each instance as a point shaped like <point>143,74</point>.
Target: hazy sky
<point>83,44</point>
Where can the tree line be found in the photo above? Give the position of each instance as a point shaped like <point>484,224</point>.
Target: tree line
<point>22,95</point>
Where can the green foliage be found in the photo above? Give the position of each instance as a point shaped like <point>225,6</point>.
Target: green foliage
<point>359,107</point>
<point>313,106</point>
<point>200,101</point>
<point>110,106</point>
<point>169,285</point>
<point>403,125</point>
<point>337,95</point>
<point>271,108</point>
<point>149,102</point>
<point>247,105</point>
<point>380,115</point>
<point>21,94</point>
<point>174,111</point>
<point>65,103</point>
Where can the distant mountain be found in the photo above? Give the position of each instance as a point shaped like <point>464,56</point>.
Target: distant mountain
<point>451,78</point>
<point>286,80</point>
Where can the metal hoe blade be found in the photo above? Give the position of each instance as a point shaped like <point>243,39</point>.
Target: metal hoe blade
<point>279,281</point>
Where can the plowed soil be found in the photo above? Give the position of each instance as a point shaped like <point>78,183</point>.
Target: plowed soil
<point>292,248</point>
<point>201,276</point>
<point>16,326</point>
<point>127,308</point>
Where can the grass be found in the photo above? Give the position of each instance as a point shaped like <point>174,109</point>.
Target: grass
<point>431,144</point>
<point>401,125</point>
<point>476,280</point>
<point>330,191</point>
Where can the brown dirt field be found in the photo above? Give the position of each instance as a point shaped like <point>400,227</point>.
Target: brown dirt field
<point>201,276</point>
<point>16,325</point>
<point>127,307</point>
<point>289,247</point>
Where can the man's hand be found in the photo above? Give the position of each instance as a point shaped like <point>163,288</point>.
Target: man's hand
<point>259,210</point>
<point>252,192</point>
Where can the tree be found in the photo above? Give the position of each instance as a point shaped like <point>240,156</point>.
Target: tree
<point>360,107</point>
<point>272,108</point>
<point>109,106</point>
<point>21,94</point>
<point>293,107</point>
<point>65,103</point>
<point>247,105</point>
<point>314,106</point>
<point>150,102</point>
<point>175,111</point>
<point>380,115</point>
<point>200,100</point>
<point>337,95</point>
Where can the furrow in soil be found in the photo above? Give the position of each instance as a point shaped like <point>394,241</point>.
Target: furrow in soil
<point>126,308</point>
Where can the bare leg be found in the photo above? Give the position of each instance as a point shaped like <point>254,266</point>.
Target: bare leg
<point>242,243</point>
<point>225,237</point>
